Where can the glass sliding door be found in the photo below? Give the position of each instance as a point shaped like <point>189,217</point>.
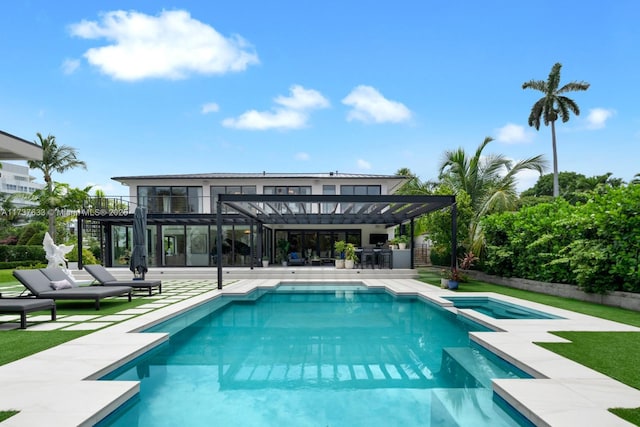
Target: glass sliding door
<point>198,245</point>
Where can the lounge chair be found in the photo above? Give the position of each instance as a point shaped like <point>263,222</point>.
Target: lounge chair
<point>41,286</point>
<point>105,278</point>
<point>27,305</point>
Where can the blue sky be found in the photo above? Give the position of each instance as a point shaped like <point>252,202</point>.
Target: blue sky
<point>142,87</point>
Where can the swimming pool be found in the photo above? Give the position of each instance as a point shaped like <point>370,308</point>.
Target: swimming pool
<point>311,356</point>
<point>499,309</point>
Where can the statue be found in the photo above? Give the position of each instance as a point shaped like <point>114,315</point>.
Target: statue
<point>56,254</point>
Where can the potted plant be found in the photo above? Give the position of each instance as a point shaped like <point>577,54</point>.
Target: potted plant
<point>402,241</point>
<point>444,279</point>
<point>265,261</point>
<point>339,247</point>
<point>393,243</point>
<point>454,278</point>
<point>349,255</point>
<point>283,251</point>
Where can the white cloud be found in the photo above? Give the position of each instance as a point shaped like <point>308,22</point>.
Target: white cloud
<point>526,179</point>
<point>302,99</point>
<point>293,112</point>
<point>598,117</point>
<point>170,45</point>
<point>69,66</point>
<point>369,106</point>
<point>302,156</point>
<point>363,164</point>
<point>513,134</point>
<point>210,107</point>
<point>263,120</point>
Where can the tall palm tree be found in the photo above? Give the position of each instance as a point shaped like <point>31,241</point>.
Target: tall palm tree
<point>55,158</point>
<point>489,180</point>
<point>551,106</point>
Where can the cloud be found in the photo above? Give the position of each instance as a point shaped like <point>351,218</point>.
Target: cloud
<point>210,107</point>
<point>598,117</point>
<point>171,45</point>
<point>363,164</point>
<point>302,99</point>
<point>69,66</point>
<point>526,179</point>
<point>302,156</point>
<point>263,120</point>
<point>292,112</point>
<point>369,106</point>
<point>513,134</point>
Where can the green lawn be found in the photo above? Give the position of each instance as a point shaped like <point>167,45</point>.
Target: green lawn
<point>615,354</point>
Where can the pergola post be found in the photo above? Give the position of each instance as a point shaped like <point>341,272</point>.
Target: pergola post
<point>454,235</point>
<point>411,231</point>
<point>219,241</point>
<point>79,231</point>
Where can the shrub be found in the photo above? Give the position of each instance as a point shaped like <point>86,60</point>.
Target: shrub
<point>11,253</point>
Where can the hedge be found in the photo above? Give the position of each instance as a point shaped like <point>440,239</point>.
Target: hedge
<point>595,245</point>
<point>12,253</point>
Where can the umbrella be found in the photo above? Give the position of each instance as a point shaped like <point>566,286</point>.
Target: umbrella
<point>138,260</point>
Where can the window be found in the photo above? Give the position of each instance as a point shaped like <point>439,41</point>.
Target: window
<point>286,208</point>
<point>360,190</point>
<point>172,199</point>
<point>228,189</point>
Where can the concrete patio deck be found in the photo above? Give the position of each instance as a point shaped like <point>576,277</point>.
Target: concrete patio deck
<point>49,386</point>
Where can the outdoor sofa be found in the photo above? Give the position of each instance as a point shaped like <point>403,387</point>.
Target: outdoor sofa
<point>40,286</point>
<point>295,258</point>
<point>105,278</point>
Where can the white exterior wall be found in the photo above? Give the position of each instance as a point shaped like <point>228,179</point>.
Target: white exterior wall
<point>15,179</point>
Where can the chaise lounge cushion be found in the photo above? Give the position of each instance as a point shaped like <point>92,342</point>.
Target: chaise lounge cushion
<point>105,278</point>
<point>26,305</point>
<point>40,286</point>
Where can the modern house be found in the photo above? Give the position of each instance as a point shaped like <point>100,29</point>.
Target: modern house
<point>235,219</point>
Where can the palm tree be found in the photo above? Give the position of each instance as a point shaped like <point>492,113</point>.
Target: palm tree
<point>55,158</point>
<point>414,186</point>
<point>552,105</point>
<point>489,180</point>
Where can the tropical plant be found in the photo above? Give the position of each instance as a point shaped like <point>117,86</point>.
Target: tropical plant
<point>489,180</point>
<point>339,246</point>
<point>551,106</point>
<point>467,261</point>
<point>283,249</point>
<point>55,158</point>
<point>350,252</point>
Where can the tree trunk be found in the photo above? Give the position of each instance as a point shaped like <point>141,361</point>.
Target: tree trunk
<point>556,185</point>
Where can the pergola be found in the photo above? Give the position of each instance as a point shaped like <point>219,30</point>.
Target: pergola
<point>283,209</point>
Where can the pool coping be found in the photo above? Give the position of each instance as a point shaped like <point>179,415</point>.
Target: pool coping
<point>56,385</point>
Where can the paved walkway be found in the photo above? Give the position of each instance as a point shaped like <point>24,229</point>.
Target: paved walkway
<point>172,291</point>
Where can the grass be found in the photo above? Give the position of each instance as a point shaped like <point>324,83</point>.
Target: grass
<point>6,414</point>
<point>615,354</point>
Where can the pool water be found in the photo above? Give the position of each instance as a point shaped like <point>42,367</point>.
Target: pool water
<point>336,357</point>
<point>499,309</point>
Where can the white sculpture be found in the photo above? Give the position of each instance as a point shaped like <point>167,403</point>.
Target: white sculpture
<point>56,254</point>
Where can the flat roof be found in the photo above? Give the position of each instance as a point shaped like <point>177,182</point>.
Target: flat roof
<point>261,175</point>
<point>15,148</point>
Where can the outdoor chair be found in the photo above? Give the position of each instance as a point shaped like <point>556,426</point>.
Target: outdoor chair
<point>40,286</point>
<point>107,279</point>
